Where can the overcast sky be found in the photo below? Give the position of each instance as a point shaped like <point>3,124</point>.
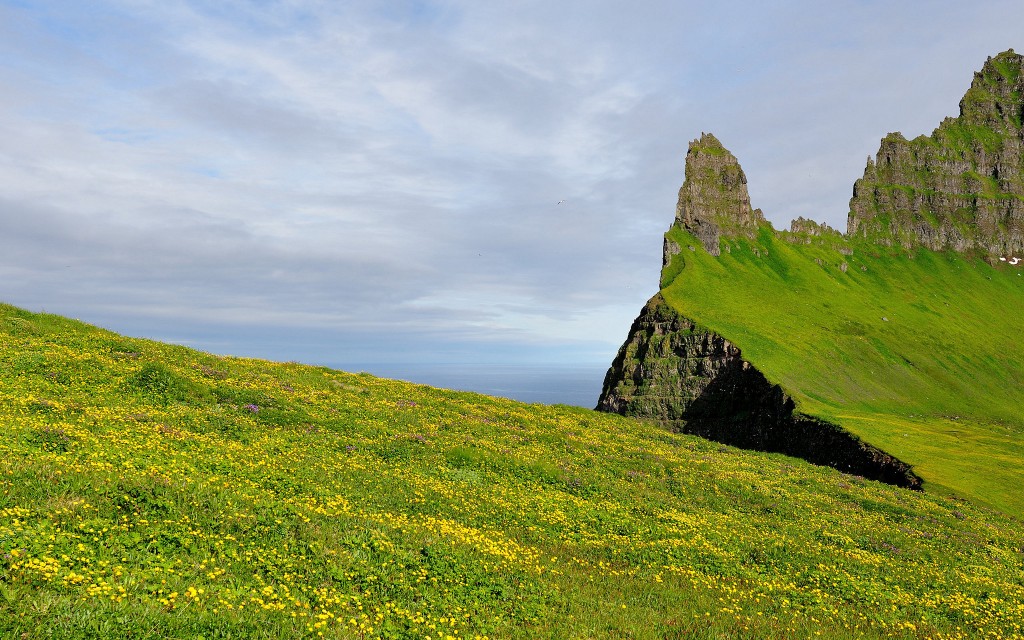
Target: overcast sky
<point>349,181</point>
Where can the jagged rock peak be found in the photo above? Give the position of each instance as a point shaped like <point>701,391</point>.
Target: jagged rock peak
<point>713,201</point>
<point>810,227</point>
<point>996,96</point>
<point>961,188</point>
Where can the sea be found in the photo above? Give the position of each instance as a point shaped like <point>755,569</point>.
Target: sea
<point>572,384</point>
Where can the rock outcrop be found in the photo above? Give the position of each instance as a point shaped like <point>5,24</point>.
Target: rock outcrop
<point>802,225</point>
<point>664,366</point>
<point>713,201</point>
<point>695,381</point>
<point>962,188</point>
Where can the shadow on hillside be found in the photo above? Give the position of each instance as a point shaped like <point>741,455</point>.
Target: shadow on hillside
<point>740,407</point>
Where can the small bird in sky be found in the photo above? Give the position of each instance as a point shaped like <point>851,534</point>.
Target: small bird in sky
<point>561,201</point>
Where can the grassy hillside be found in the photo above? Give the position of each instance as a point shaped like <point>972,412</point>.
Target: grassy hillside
<point>919,354</point>
<point>151,491</point>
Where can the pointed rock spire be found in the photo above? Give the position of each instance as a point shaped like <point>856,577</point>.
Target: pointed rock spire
<point>713,201</point>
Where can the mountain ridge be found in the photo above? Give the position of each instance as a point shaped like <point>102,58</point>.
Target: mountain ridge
<point>867,307</point>
<point>960,188</point>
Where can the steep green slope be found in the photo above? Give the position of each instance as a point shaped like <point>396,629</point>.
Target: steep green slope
<point>918,354</point>
<point>151,491</point>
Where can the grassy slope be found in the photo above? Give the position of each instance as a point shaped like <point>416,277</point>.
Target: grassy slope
<point>153,491</point>
<point>920,355</point>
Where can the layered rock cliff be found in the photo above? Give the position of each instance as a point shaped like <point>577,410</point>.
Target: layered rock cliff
<point>962,188</point>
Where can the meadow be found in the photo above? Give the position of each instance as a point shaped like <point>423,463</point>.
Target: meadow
<point>917,352</point>
<point>151,491</point>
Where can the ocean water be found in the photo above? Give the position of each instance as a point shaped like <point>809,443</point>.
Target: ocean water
<point>572,384</point>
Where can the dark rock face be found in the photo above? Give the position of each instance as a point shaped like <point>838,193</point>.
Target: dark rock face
<point>695,381</point>
<point>713,199</point>
<point>962,188</point>
<point>664,365</point>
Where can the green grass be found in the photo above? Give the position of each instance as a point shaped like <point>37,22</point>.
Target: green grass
<point>1010,72</point>
<point>150,491</point>
<point>919,354</point>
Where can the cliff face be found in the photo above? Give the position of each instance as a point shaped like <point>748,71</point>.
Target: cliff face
<point>695,381</point>
<point>962,188</point>
<point>664,366</point>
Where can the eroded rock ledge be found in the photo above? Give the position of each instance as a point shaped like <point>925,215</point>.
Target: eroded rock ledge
<point>697,382</point>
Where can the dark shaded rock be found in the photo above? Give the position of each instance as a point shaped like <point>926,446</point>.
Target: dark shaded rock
<point>695,381</point>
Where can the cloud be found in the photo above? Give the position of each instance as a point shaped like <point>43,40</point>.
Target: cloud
<point>311,178</point>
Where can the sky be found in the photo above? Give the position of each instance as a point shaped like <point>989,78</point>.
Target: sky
<point>431,182</point>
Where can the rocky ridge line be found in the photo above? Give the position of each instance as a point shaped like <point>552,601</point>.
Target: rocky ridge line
<point>962,188</point>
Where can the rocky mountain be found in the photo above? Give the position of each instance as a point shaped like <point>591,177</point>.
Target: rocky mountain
<point>961,189</point>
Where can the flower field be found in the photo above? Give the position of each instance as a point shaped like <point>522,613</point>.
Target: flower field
<point>151,491</point>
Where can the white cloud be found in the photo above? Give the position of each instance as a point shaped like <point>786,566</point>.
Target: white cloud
<point>370,173</point>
